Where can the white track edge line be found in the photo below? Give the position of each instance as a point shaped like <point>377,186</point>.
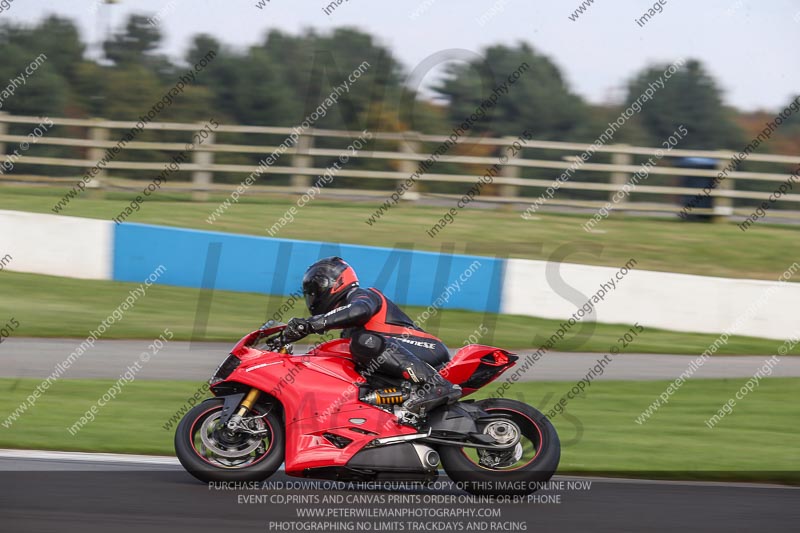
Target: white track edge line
<point>48,455</point>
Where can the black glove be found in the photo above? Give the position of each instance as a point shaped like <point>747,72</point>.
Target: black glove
<point>296,329</point>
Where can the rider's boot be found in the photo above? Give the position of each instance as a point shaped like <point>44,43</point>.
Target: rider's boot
<point>430,389</point>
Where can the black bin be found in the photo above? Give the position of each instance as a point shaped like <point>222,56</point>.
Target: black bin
<point>691,204</point>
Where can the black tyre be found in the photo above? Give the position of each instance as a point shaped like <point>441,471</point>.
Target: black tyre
<point>210,453</point>
<point>519,470</point>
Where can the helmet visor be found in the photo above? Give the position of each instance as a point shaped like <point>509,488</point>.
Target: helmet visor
<point>314,291</point>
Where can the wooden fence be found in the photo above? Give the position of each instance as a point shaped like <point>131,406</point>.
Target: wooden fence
<point>398,164</point>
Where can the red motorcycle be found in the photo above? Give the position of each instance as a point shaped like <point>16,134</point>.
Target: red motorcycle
<point>318,415</point>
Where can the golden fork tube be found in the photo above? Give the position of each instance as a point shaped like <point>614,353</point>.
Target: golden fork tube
<point>248,401</point>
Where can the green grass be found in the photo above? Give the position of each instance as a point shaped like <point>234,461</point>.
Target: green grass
<point>657,244</point>
<point>599,435</point>
<point>756,441</point>
<point>49,306</point>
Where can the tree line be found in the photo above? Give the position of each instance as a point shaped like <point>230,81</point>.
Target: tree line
<point>277,81</point>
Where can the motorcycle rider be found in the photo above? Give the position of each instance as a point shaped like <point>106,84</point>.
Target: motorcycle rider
<point>383,338</point>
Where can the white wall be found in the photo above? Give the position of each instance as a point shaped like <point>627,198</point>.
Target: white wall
<point>83,248</point>
<point>664,300</point>
<point>57,245</point>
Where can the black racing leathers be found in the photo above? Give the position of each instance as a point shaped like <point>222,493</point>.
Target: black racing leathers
<point>358,307</point>
<point>356,312</point>
<point>384,340</point>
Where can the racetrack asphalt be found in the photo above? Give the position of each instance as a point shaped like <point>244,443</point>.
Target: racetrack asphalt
<point>65,492</point>
<point>37,358</point>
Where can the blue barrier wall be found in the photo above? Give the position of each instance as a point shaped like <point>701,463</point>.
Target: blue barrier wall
<point>275,266</point>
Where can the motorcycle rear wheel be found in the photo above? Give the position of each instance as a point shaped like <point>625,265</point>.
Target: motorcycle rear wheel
<point>518,471</point>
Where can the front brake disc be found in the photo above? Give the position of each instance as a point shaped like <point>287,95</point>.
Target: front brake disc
<point>208,434</point>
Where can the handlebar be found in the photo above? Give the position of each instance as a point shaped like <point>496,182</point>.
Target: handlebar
<point>274,332</point>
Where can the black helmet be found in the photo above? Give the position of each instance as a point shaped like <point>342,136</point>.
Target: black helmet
<point>326,282</point>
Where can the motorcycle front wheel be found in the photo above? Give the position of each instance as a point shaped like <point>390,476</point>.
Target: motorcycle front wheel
<point>521,469</point>
<point>210,452</point>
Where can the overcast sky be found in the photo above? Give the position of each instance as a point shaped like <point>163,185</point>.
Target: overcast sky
<point>750,47</point>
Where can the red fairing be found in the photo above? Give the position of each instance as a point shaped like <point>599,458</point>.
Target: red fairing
<point>462,367</point>
<point>319,394</point>
<point>334,348</point>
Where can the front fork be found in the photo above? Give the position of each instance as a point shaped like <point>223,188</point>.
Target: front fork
<point>247,403</point>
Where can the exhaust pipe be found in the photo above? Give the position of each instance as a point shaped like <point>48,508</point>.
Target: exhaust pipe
<point>432,458</point>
